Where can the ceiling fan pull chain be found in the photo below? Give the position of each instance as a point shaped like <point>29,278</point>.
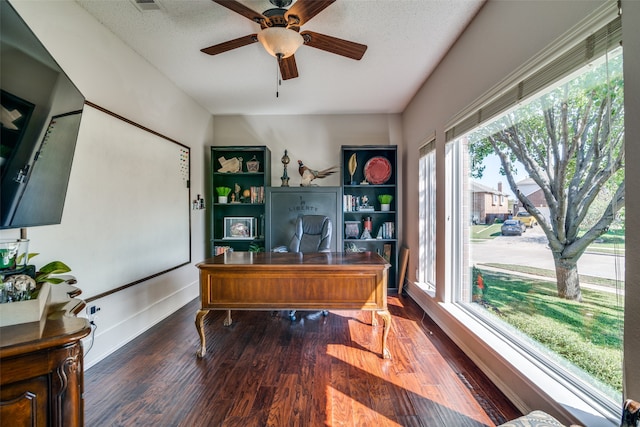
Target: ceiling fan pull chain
<point>278,79</point>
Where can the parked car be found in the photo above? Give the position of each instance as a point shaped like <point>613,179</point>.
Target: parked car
<point>513,227</point>
<point>526,218</point>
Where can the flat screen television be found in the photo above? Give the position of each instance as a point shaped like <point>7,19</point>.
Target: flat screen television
<point>41,112</point>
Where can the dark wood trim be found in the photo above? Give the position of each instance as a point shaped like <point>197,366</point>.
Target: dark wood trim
<point>144,279</point>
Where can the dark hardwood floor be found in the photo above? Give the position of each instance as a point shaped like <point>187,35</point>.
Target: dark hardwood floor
<point>265,370</point>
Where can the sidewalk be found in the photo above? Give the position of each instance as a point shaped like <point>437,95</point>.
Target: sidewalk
<point>583,285</point>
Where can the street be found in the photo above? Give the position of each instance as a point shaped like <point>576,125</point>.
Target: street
<point>531,249</point>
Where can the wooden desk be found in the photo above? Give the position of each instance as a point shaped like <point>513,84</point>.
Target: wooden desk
<point>294,281</point>
<point>41,365</point>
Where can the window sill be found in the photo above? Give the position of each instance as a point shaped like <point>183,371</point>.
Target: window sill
<point>426,288</point>
<point>527,384</point>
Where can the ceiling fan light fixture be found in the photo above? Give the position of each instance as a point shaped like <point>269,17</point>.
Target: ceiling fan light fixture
<point>280,41</point>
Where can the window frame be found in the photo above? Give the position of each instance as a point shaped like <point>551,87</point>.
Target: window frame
<point>426,277</point>
<point>498,100</point>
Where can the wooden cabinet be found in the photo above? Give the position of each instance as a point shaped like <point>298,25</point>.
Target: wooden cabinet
<point>41,366</point>
<point>239,222</point>
<point>374,175</point>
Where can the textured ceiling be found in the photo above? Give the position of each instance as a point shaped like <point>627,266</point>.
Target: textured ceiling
<point>405,38</point>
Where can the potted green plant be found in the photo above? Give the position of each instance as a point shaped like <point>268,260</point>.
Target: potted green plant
<point>25,294</point>
<point>385,201</point>
<point>223,193</point>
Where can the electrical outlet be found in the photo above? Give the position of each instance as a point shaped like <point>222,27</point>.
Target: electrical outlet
<point>92,310</point>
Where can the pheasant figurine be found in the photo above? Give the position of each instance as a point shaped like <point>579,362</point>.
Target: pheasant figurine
<point>309,174</point>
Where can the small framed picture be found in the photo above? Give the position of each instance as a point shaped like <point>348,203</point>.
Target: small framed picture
<point>239,227</point>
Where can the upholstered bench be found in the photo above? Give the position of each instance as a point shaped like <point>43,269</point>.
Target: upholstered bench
<point>630,418</point>
<point>534,419</point>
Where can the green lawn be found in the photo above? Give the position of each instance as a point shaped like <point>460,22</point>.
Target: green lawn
<point>483,232</point>
<point>588,334</point>
<point>612,241</point>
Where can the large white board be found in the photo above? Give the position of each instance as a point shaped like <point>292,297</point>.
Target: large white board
<point>129,204</point>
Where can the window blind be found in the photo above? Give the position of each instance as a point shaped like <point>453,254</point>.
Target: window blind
<point>427,148</point>
<point>589,49</point>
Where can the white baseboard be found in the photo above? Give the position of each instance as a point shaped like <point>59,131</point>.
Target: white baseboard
<point>112,334</point>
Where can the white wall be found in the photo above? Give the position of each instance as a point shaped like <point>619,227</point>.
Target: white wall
<point>315,139</point>
<point>504,36</point>
<point>110,74</point>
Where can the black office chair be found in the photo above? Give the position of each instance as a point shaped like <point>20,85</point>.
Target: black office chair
<point>312,234</point>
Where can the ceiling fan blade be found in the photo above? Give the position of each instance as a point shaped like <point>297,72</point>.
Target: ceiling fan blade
<point>307,9</point>
<point>334,45</point>
<point>288,68</point>
<point>231,44</point>
<point>241,9</point>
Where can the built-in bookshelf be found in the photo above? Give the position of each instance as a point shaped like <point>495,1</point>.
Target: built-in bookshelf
<point>369,176</point>
<point>238,221</point>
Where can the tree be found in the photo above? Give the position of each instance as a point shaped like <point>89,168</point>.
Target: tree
<point>571,143</point>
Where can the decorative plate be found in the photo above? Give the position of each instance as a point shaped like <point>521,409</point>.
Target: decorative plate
<point>377,170</point>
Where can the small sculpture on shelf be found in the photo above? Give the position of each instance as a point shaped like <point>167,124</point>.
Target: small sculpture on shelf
<point>307,174</point>
<point>233,164</point>
<point>236,192</point>
<point>368,226</point>
<point>253,165</point>
<point>364,206</point>
<point>353,165</point>
<point>285,178</point>
<point>351,247</point>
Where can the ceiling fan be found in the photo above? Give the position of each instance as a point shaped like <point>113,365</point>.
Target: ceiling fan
<point>280,33</point>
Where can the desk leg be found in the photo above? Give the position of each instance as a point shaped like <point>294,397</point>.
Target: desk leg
<point>200,328</point>
<point>227,321</point>
<point>386,318</point>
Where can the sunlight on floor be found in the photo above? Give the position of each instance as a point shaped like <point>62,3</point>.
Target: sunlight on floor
<point>424,386</point>
<point>360,411</point>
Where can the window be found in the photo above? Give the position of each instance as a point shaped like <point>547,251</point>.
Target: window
<point>427,211</point>
<point>560,144</point>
